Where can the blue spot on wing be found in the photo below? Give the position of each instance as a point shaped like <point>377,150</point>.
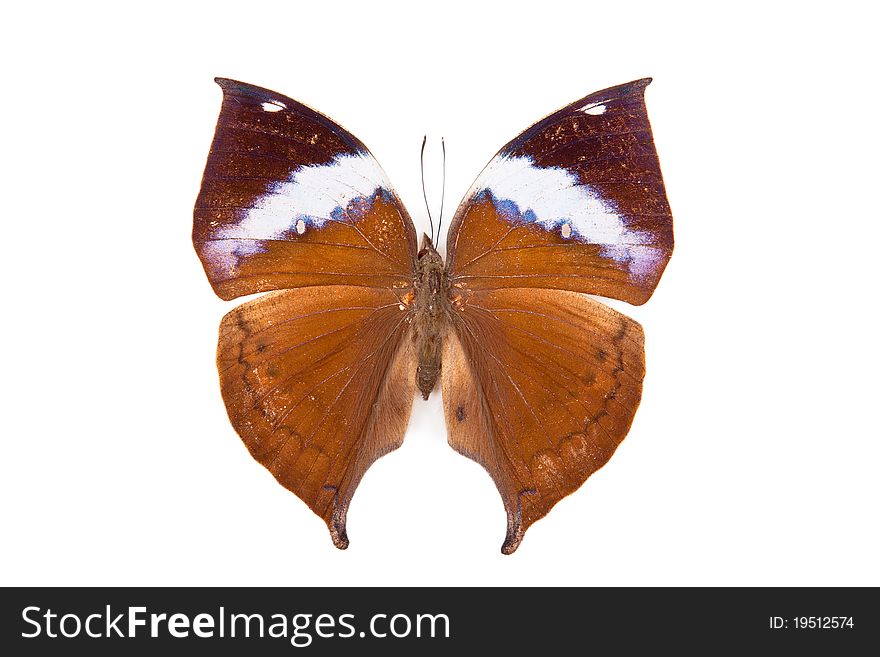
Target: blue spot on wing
<point>508,209</point>
<point>356,209</point>
<point>338,213</point>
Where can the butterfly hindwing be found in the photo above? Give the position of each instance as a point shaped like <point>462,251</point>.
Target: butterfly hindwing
<point>319,383</point>
<point>576,202</point>
<point>540,387</point>
<point>289,198</point>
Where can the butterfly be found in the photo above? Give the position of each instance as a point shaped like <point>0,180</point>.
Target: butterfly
<point>540,382</point>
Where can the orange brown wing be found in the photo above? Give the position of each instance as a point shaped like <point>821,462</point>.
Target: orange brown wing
<point>317,377</point>
<point>290,199</point>
<point>540,387</point>
<point>319,383</point>
<point>540,382</point>
<point>576,202</point>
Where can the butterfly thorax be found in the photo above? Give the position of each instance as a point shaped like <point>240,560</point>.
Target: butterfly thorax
<point>430,315</point>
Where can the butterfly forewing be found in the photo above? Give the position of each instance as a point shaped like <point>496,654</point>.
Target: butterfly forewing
<point>290,199</point>
<point>576,202</point>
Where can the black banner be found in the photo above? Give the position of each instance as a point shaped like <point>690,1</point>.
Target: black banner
<point>435,621</point>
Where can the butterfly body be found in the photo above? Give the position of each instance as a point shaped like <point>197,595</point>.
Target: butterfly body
<point>430,315</point>
<point>540,381</point>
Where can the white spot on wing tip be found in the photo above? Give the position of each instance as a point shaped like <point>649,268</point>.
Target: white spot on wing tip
<point>273,107</point>
<point>595,110</point>
<point>566,230</point>
<point>300,226</point>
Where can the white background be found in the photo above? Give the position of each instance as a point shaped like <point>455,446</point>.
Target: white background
<point>753,458</point>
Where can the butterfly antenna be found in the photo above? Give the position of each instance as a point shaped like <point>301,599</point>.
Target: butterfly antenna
<point>424,193</point>
<point>443,194</point>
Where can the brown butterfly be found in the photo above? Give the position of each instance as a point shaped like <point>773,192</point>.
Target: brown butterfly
<point>540,382</point>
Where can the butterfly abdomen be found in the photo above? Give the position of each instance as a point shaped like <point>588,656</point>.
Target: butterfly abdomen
<point>430,316</point>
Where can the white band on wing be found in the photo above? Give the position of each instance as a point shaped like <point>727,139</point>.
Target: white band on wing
<point>309,197</point>
<point>554,198</point>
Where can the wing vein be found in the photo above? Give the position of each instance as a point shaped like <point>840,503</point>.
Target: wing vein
<point>363,362</point>
<point>275,355</point>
